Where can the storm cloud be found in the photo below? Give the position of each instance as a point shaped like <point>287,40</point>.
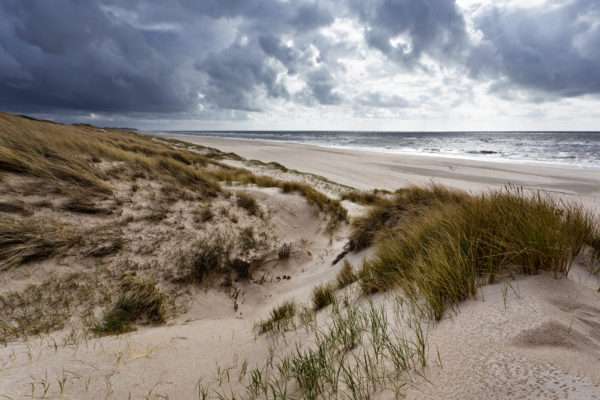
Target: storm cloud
<point>554,49</point>
<point>236,59</point>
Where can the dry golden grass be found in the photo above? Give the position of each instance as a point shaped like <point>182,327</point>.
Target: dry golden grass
<point>139,299</point>
<point>443,253</point>
<point>69,156</point>
<point>346,276</point>
<point>28,239</point>
<point>404,204</point>
<point>323,295</point>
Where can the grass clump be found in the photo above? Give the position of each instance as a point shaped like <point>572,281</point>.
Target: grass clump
<point>24,240</point>
<point>248,202</point>
<point>404,204</point>
<point>443,254</point>
<point>211,257</point>
<point>322,296</point>
<point>280,318</point>
<point>207,257</point>
<point>365,197</point>
<point>346,276</point>
<point>140,299</point>
<point>284,251</point>
<point>84,205</point>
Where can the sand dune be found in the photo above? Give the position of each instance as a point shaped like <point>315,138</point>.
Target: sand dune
<point>532,337</point>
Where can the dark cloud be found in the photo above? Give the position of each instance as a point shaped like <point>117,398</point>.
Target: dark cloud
<point>149,56</point>
<point>234,76</point>
<point>321,85</point>
<point>212,58</point>
<point>272,46</point>
<point>553,49</point>
<point>70,55</point>
<point>405,29</point>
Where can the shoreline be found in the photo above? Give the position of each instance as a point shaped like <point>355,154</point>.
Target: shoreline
<point>367,170</point>
<point>466,157</point>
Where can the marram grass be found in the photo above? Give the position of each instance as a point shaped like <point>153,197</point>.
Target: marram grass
<point>442,254</point>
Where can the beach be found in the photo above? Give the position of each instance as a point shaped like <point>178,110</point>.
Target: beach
<point>163,269</point>
<point>374,170</point>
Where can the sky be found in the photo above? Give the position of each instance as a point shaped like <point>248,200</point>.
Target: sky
<point>294,65</point>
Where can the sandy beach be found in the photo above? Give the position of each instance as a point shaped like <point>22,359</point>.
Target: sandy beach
<point>372,170</point>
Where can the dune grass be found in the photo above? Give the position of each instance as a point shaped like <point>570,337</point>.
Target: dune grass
<point>280,318</point>
<point>69,156</point>
<point>322,295</point>
<point>139,298</point>
<point>369,198</point>
<point>359,354</point>
<point>443,253</point>
<point>346,276</point>
<point>248,202</point>
<point>28,239</point>
<point>83,165</point>
<point>50,305</point>
<point>404,204</point>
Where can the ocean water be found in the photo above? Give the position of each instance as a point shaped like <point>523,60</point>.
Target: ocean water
<point>564,149</point>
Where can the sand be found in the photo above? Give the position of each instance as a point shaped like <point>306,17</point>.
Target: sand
<point>371,170</point>
<point>537,338</point>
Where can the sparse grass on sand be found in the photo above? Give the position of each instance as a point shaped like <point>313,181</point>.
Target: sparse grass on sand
<point>455,242</point>
<point>248,202</point>
<point>357,354</point>
<point>139,299</point>
<point>280,318</point>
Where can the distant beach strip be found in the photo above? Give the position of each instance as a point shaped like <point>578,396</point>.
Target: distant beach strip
<point>580,150</point>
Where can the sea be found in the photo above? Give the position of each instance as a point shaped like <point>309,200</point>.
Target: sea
<point>580,150</point>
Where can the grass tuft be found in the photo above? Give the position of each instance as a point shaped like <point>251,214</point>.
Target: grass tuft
<point>405,204</point>
<point>248,202</point>
<point>28,239</point>
<point>208,257</point>
<point>346,276</point>
<point>280,318</point>
<point>284,251</point>
<point>139,299</point>
<point>322,296</point>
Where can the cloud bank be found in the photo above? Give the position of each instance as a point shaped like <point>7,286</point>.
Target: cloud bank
<point>267,61</point>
